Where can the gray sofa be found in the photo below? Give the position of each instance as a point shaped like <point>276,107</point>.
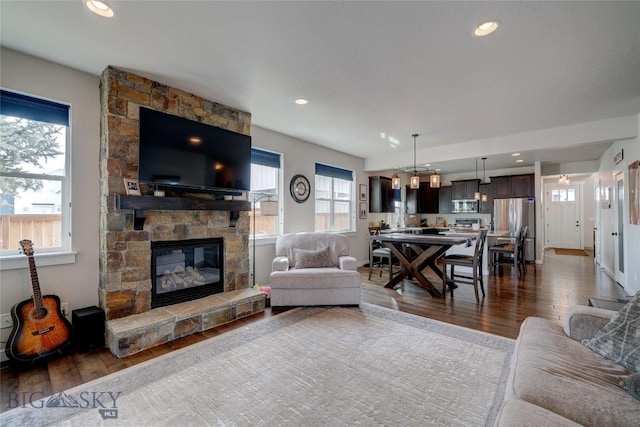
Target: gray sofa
<point>557,381</point>
<point>314,268</point>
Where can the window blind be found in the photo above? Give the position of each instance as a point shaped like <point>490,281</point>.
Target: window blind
<point>334,172</point>
<point>27,107</point>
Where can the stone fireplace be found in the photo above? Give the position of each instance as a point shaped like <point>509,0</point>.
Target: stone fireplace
<point>132,227</point>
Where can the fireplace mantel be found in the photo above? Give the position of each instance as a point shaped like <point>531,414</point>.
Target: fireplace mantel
<point>140,204</point>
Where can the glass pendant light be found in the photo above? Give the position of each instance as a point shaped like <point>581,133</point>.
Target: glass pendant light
<point>484,196</point>
<point>476,195</point>
<point>415,179</point>
<point>395,181</point>
<point>434,180</point>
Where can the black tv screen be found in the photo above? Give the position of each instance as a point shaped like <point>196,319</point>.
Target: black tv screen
<point>187,154</point>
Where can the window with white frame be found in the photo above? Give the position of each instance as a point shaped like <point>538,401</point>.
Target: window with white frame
<point>335,199</point>
<point>265,185</point>
<point>34,173</point>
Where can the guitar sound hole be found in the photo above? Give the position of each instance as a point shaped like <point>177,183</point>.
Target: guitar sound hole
<point>39,313</point>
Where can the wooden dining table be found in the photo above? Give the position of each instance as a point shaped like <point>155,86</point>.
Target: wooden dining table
<point>416,252</point>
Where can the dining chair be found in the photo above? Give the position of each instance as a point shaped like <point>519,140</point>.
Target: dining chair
<point>510,253</point>
<point>379,254</point>
<point>474,261</point>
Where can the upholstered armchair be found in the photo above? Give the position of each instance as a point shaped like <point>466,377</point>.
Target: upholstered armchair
<point>314,269</point>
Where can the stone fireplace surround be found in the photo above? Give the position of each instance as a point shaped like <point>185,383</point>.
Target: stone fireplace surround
<point>125,252</point>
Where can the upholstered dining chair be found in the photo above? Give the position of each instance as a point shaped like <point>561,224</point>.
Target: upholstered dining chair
<point>510,254</point>
<point>474,261</point>
<point>378,254</point>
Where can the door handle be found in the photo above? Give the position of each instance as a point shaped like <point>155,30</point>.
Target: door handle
<point>614,234</point>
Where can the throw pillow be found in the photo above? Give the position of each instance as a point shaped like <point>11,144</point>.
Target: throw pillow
<point>632,385</point>
<point>619,340</point>
<point>317,258</point>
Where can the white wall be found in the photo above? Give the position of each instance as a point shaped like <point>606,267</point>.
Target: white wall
<point>606,172</point>
<point>76,283</point>
<point>300,157</point>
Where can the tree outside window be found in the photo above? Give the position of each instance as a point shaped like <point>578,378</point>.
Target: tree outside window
<point>33,173</point>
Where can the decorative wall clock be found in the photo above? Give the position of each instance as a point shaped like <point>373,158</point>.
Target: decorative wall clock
<point>300,188</point>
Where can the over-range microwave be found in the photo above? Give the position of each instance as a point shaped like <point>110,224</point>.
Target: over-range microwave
<point>464,206</point>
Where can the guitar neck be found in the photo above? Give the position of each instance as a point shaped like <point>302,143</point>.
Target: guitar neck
<point>35,283</point>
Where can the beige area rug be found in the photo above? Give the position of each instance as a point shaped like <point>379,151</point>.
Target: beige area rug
<point>576,252</point>
<point>366,366</point>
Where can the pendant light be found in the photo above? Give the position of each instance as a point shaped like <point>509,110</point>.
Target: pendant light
<point>476,195</point>
<point>564,180</point>
<point>434,180</point>
<point>484,196</point>
<point>395,181</point>
<point>415,179</point>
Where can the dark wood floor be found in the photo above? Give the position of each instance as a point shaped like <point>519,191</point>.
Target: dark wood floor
<point>545,291</point>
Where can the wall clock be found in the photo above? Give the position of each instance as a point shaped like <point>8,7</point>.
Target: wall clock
<point>300,188</point>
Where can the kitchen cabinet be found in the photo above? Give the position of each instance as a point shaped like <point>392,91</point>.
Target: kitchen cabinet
<point>412,201</point>
<point>444,199</point>
<point>486,207</point>
<point>422,200</point>
<point>380,194</point>
<point>464,190</point>
<point>513,186</point>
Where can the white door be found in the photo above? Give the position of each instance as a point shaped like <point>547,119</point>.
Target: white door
<point>618,214</point>
<point>563,217</point>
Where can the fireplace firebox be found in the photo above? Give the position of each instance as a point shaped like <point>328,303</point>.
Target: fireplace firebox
<point>184,270</point>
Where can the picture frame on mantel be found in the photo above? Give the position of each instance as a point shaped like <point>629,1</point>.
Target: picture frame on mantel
<point>132,187</point>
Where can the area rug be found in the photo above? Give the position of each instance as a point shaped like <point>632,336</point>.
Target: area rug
<point>329,366</point>
<point>576,252</point>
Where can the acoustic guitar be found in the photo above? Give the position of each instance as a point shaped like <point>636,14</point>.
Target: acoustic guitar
<point>39,327</point>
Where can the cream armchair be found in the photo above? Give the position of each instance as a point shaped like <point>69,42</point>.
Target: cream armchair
<point>314,269</point>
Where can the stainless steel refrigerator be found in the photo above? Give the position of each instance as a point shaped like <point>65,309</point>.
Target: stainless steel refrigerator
<point>511,214</point>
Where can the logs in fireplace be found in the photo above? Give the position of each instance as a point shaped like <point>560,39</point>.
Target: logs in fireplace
<point>184,270</point>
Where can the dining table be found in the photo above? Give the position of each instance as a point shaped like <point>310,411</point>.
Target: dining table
<point>416,252</point>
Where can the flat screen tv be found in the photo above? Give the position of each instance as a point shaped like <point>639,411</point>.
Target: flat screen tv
<point>188,155</point>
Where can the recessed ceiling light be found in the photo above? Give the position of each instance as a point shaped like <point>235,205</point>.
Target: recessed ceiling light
<point>383,135</point>
<point>427,165</point>
<point>301,101</point>
<point>438,170</point>
<point>515,154</point>
<point>519,161</point>
<point>100,8</point>
<point>486,28</point>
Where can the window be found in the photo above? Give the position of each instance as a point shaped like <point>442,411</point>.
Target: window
<point>34,173</point>
<point>334,199</point>
<point>563,195</point>
<point>265,185</point>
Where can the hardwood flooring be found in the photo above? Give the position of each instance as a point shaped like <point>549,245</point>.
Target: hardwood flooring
<point>545,291</point>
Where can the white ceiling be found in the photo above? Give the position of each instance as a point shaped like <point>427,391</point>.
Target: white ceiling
<point>367,68</point>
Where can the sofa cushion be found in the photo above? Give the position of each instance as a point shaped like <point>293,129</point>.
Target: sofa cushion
<point>312,258</point>
<point>310,278</point>
<point>619,340</point>
<point>550,370</point>
<point>632,385</point>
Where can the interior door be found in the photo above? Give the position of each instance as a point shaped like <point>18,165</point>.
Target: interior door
<point>563,217</point>
<point>618,214</point>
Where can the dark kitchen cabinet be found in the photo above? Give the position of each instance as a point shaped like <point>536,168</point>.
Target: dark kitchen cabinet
<point>444,199</point>
<point>486,206</point>
<point>523,186</point>
<point>513,186</point>
<point>464,190</point>
<point>423,200</point>
<point>380,194</point>
<point>412,201</point>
